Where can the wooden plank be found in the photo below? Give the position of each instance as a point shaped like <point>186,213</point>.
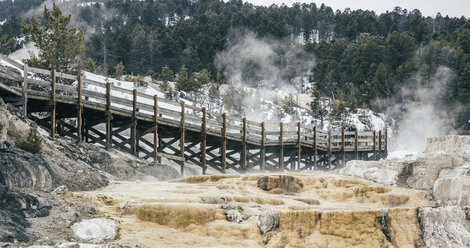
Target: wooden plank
<point>10,61</point>
<point>244,147</point>
<point>40,71</point>
<point>80,108</point>
<point>155,124</point>
<point>25,91</point>
<point>375,146</point>
<point>263,147</point>
<point>134,123</point>
<point>53,102</point>
<point>203,141</point>
<point>315,150</point>
<point>356,145</point>
<point>183,135</point>
<point>380,144</point>
<point>343,152</point>
<point>281,140</point>
<point>224,142</point>
<point>385,145</point>
<point>108,117</point>
<point>329,149</point>
<point>299,146</point>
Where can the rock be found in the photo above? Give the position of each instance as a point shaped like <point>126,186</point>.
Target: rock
<point>69,245</point>
<point>99,229</point>
<point>232,213</point>
<point>268,221</point>
<point>281,184</point>
<point>92,211</point>
<point>453,186</point>
<point>444,227</point>
<point>60,190</point>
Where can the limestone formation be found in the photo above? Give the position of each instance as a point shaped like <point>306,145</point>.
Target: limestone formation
<point>99,229</point>
<point>268,221</point>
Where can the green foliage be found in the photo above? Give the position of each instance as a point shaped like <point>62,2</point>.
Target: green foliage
<point>139,81</point>
<point>288,104</point>
<point>32,143</point>
<point>59,45</point>
<point>119,68</point>
<point>319,107</point>
<point>7,44</point>
<point>186,83</point>
<point>91,66</point>
<point>166,74</point>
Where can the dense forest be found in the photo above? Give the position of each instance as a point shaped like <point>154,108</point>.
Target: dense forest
<point>361,57</point>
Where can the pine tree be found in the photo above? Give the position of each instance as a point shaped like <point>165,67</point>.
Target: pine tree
<point>119,70</point>
<point>59,45</point>
<point>7,44</point>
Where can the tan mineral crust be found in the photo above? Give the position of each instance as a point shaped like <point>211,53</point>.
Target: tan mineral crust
<point>317,210</point>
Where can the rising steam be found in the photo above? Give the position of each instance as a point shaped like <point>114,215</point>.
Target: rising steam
<point>421,111</point>
<point>260,70</point>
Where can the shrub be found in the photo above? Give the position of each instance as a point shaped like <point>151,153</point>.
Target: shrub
<point>32,143</point>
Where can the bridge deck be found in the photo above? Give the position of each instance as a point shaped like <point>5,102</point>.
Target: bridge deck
<point>152,127</point>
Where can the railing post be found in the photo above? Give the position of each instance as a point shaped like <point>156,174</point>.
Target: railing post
<point>329,149</point>
<point>380,144</point>
<point>224,143</point>
<point>25,91</point>
<point>134,123</point>
<point>80,108</point>
<point>343,152</point>
<point>386,143</point>
<point>108,117</point>
<point>183,137</point>
<point>281,152</point>
<point>263,147</point>
<point>356,144</point>
<point>203,142</point>
<point>375,145</point>
<point>315,151</point>
<point>155,125</point>
<point>53,102</point>
<point>244,147</point>
<point>299,146</point>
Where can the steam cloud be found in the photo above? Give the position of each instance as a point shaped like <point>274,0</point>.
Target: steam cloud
<point>421,113</point>
<point>258,70</point>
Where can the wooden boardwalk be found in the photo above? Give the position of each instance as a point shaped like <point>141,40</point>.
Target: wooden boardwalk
<point>151,128</point>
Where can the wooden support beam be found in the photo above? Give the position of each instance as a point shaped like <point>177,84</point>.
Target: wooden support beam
<point>281,152</point>
<point>386,143</point>
<point>299,146</point>
<point>224,142</point>
<point>53,102</point>
<point>380,144</point>
<point>109,117</point>
<point>80,108</point>
<point>203,141</point>
<point>375,145</point>
<point>182,139</point>
<point>25,90</point>
<point>244,147</point>
<point>263,148</point>
<point>155,124</point>
<point>356,145</point>
<point>329,149</point>
<point>343,152</point>
<point>134,123</point>
<point>315,150</point>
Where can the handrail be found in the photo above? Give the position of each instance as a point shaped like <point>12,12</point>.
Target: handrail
<point>234,126</point>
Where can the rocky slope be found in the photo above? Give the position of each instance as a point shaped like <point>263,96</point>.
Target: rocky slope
<point>33,165</point>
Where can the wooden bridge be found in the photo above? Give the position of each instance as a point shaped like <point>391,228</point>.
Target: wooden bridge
<point>151,128</point>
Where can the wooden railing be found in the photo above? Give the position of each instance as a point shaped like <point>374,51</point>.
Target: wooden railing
<point>44,84</point>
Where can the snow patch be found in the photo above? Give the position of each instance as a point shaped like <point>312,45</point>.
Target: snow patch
<point>99,229</point>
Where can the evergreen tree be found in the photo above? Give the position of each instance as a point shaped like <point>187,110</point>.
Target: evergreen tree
<point>7,44</point>
<point>59,45</point>
<point>119,70</point>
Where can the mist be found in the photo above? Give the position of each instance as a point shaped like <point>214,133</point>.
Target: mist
<point>421,113</point>
<point>260,71</point>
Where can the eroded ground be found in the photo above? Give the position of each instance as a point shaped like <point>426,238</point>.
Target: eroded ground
<point>317,210</point>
